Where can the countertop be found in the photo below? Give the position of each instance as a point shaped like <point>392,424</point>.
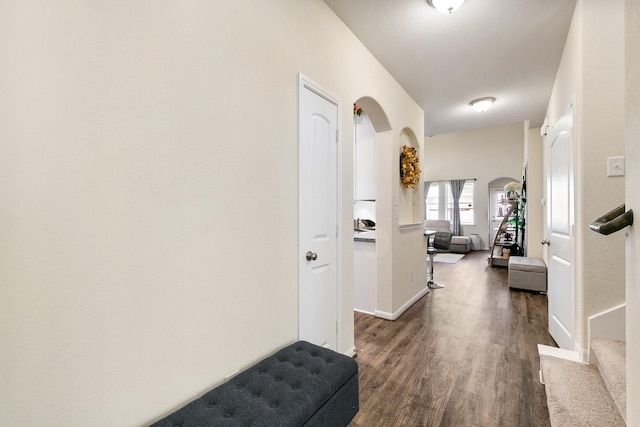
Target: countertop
<point>364,236</point>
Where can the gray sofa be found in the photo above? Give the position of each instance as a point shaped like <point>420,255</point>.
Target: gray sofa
<point>459,244</point>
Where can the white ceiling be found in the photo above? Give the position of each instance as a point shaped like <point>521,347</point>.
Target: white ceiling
<point>508,49</point>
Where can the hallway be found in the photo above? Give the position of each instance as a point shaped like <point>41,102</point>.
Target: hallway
<point>465,355</point>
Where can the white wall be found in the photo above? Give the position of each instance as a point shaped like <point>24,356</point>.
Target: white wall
<point>632,199</point>
<point>148,223</point>
<point>592,73</point>
<point>535,182</point>
<point>484,154</point>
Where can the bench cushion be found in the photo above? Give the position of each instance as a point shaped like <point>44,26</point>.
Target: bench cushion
<point>290,388</point>
<point>522,263</point>
<point>527,273</point>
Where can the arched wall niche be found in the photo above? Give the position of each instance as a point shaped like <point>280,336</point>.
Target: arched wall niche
<point>409,198</point>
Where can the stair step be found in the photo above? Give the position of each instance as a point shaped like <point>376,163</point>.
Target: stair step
<point>576,395</point>
<point>611,359</point>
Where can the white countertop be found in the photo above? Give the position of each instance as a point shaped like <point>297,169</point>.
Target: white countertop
<point>364,236</point>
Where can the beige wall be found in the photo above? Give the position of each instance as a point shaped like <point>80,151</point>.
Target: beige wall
<point>484,154</point>
<point>632,199</point>
<point>592,74</point>
<point>148,223</point>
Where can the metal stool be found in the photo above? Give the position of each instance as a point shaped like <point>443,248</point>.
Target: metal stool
<point>441,243</point>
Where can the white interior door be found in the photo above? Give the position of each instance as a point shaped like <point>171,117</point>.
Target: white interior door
<point>318,216</point>
<point>560,232</point>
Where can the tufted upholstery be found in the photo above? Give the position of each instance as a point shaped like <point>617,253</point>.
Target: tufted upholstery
<point>300,385</point>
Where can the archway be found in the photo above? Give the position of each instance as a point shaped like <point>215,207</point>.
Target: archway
<point>372,201</point>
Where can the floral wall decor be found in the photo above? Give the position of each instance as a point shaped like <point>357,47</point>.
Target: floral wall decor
<point>409,167</point>
<point>512,189</point>
<point>357,110</point>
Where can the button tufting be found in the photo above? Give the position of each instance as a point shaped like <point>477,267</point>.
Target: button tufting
<point>250,399</point>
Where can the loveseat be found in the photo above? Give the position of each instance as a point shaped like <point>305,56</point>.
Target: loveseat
<point>459,244</point>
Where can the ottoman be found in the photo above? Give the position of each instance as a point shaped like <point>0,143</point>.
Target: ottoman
<point>301,385</point>
<point>527,273</point>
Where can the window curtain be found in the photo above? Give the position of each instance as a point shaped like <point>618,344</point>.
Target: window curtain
<point>456,190</point>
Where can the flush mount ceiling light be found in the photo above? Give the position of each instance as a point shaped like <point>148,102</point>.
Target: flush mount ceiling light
<point>482,104</point>
<point>446,6</point>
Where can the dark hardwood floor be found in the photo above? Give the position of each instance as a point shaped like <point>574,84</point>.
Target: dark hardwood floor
<point>465,355</point>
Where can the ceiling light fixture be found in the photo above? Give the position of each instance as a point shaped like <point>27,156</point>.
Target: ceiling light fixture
<point>482,104</point>
<point>446,6</point>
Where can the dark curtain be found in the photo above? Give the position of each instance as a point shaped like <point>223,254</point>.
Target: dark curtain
<point>456,190</point>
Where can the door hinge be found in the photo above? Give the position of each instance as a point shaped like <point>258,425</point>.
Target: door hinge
<point>337,133</point>
<point>336,327</point>
<point>337,231</point>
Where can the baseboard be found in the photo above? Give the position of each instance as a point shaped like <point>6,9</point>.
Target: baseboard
<point>351,352</point>
<point>405,307</point>
<point>545,350</point>
<point>364,312</point>
<point>609,324</point>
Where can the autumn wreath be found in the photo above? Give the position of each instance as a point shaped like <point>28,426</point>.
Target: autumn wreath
<point>409,167</point>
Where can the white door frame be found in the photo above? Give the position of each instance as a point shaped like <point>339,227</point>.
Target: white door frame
<point>305,83</point>
<point>564,337</point>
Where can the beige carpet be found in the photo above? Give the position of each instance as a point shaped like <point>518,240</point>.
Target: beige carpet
<point>576,395</point>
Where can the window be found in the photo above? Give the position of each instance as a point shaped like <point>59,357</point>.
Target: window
<point>439,202</point>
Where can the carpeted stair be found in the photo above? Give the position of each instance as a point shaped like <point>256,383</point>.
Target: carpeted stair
<point>584,395</point>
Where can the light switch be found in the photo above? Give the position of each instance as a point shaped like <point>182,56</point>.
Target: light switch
<point>615,166</point>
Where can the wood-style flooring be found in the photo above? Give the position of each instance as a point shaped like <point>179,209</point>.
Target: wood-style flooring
<point>465,355</point>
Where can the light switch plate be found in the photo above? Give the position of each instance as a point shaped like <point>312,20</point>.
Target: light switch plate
<point>615,166</point>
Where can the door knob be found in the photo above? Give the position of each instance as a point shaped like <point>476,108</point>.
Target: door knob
<point>311,256</point>
<point>545,242</point>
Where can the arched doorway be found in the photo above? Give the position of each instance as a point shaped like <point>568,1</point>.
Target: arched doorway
<point>372,244</point>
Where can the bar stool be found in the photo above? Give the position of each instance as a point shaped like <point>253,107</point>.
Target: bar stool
<point>441,243</point>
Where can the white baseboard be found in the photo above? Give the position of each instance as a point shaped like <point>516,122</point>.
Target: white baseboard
<point>405,307</point>
<point>545,350</point>
<point>351,352</point>
<point>609,324</point>
<point>364,312</point>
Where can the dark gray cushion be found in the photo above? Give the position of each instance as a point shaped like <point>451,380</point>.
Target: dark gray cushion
<point>286,389</point>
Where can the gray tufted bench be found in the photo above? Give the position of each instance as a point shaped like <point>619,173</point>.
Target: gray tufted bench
<point>301,385</point>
